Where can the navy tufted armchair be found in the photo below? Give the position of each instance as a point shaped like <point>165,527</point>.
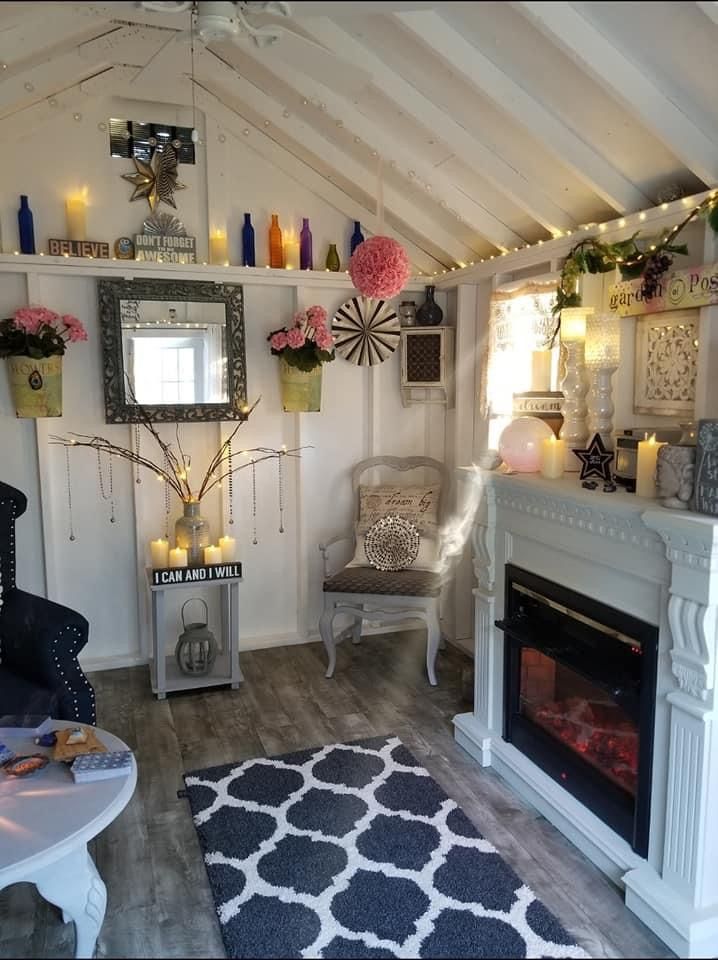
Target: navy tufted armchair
<point>39,640</point>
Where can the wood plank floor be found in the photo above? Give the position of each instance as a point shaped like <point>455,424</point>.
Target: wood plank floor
<point>159,903</point>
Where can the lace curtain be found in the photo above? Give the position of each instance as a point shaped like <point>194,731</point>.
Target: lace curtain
<point>520,322</point>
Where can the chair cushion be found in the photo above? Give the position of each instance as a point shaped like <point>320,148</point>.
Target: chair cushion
<point>399,583</point>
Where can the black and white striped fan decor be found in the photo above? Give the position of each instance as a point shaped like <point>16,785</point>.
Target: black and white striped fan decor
<point>365,331</point>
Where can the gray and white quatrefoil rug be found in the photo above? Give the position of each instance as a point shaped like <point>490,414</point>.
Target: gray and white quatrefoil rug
<point>353,850</point>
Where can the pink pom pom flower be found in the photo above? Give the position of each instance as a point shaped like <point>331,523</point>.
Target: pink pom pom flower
<point>379,268</point>
<point>296,338</point>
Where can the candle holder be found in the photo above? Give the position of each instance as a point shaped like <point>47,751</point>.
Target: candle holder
<point>602,357</point>
<point>574,385</point>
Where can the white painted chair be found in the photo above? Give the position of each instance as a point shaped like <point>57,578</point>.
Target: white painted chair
<point>379,596</point>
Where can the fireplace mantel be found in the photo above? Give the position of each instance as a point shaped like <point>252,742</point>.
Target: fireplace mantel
<point>661,566</point>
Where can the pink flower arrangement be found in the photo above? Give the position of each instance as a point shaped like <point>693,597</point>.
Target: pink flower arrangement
<point>307,343</point>
<point>38,332</point>
<point>379,268</point>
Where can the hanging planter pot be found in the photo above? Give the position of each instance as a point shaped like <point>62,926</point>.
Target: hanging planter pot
<point>301,390</point>
<point>36,386</point>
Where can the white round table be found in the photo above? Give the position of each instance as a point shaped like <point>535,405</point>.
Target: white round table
<point>46,821</point>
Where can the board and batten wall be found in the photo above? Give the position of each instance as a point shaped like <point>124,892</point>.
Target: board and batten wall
<point>101,573</point>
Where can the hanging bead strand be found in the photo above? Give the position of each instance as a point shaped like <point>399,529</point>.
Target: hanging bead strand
<point>138,478</point>
<point>254,503</point>
<point>280,485</point>
<point>230,484</point>
<point>69,493</point>
<point>167,500</point>
<point>112,490</point>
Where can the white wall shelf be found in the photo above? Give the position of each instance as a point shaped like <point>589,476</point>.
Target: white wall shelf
<point>256,276</point>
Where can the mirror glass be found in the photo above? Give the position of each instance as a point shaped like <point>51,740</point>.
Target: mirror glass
<point>175,352</point>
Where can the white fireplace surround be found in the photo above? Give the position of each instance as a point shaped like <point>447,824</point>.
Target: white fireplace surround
<point>661,566</point>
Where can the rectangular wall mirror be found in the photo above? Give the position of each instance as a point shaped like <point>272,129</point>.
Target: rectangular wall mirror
<point>175,347</point>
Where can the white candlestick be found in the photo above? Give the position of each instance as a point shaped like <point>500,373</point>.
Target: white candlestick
<point>178,557</point>
<point>212,555</point>
<point>553,454</point>
<point>574,386</point>
<point>229,549</point>
<point>646,467</point>
<point>159,550</point>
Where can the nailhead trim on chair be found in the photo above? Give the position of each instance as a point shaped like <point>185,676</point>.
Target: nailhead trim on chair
<point>78,671</point>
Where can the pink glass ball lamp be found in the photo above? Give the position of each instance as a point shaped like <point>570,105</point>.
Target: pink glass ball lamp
<point>520,444</point>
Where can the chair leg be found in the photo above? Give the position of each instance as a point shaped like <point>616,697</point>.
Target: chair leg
<point>356,630</point>
<point>433,639</point>
<point>326,632</point>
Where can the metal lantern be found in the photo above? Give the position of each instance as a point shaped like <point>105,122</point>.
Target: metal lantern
<point>196,648</point>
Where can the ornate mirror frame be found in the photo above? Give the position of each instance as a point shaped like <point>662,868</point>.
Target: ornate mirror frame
<point>117,409</point>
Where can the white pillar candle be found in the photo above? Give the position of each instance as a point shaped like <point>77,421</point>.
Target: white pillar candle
<point>218,248</point>
<point>553,453</point>
<point>159,550</point>
<point>228,546</point>
<point>76,216</point>
<point>291,253</point>
<point>212,555</point>
<point>540,370</point>
<point>178,557</point>
<point>646,467</point>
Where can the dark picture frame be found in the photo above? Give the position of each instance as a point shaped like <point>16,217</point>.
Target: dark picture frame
<point>118,408</point>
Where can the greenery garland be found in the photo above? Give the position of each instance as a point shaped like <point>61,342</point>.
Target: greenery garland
<point>592,255</point>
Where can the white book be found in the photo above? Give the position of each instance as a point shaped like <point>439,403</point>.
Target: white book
<point>101,766</point>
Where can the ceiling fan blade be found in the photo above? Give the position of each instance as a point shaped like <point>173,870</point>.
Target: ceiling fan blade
<point>313,60</point>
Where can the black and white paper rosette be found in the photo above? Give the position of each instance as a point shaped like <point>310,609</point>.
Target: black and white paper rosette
<point>365,331</point>
<point>392,543</point>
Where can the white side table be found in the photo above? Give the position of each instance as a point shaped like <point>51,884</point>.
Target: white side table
<point>165,674</point>
<point>46,821</point>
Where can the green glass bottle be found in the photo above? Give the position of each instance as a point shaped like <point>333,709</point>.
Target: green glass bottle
<point>333,259</point>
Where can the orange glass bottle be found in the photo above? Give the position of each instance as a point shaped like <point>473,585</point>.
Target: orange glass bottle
<point>276,251</point>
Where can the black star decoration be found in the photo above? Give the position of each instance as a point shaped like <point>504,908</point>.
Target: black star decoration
<point>595,460</point>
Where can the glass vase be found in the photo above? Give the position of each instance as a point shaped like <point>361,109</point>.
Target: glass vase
<point>276,251</point>
<point>26,226</point>
<point>332,262</point>
<point>192,533</point>
<point>306,258</point>
<point>429,313</point>
<point>249,258</point>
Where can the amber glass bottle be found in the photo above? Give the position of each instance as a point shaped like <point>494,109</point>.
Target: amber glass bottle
<point>276,251</point>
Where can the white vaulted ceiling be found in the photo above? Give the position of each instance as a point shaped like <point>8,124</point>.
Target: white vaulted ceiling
<point>497,124</point>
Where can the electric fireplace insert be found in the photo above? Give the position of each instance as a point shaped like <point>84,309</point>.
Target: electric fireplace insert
<point>580,692</point>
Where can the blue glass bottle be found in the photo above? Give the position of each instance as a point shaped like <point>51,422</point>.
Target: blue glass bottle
<point>357,237</point>
<point>248,255</point>
<point>306,256</point>
<point>26,227</point>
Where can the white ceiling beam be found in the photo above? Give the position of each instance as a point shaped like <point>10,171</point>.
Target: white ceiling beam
<point>417,104</point>
<point>215,105</point>
<point>25,88</point>
<point>36,32</point>
<point>348,121</point>
<point>129,44</point>
<point>211,66</point>
<point>553,134</point>
<point>626,82</point>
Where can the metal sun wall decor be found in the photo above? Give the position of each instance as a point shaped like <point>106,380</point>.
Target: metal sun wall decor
<point>366,331</point>
<point>156,181</point>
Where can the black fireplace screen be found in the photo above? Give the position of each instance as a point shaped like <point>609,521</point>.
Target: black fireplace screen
<point>580,681</point>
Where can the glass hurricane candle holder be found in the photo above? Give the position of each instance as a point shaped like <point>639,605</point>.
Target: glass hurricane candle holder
<point>602,357</point>
<point>574,385</point>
